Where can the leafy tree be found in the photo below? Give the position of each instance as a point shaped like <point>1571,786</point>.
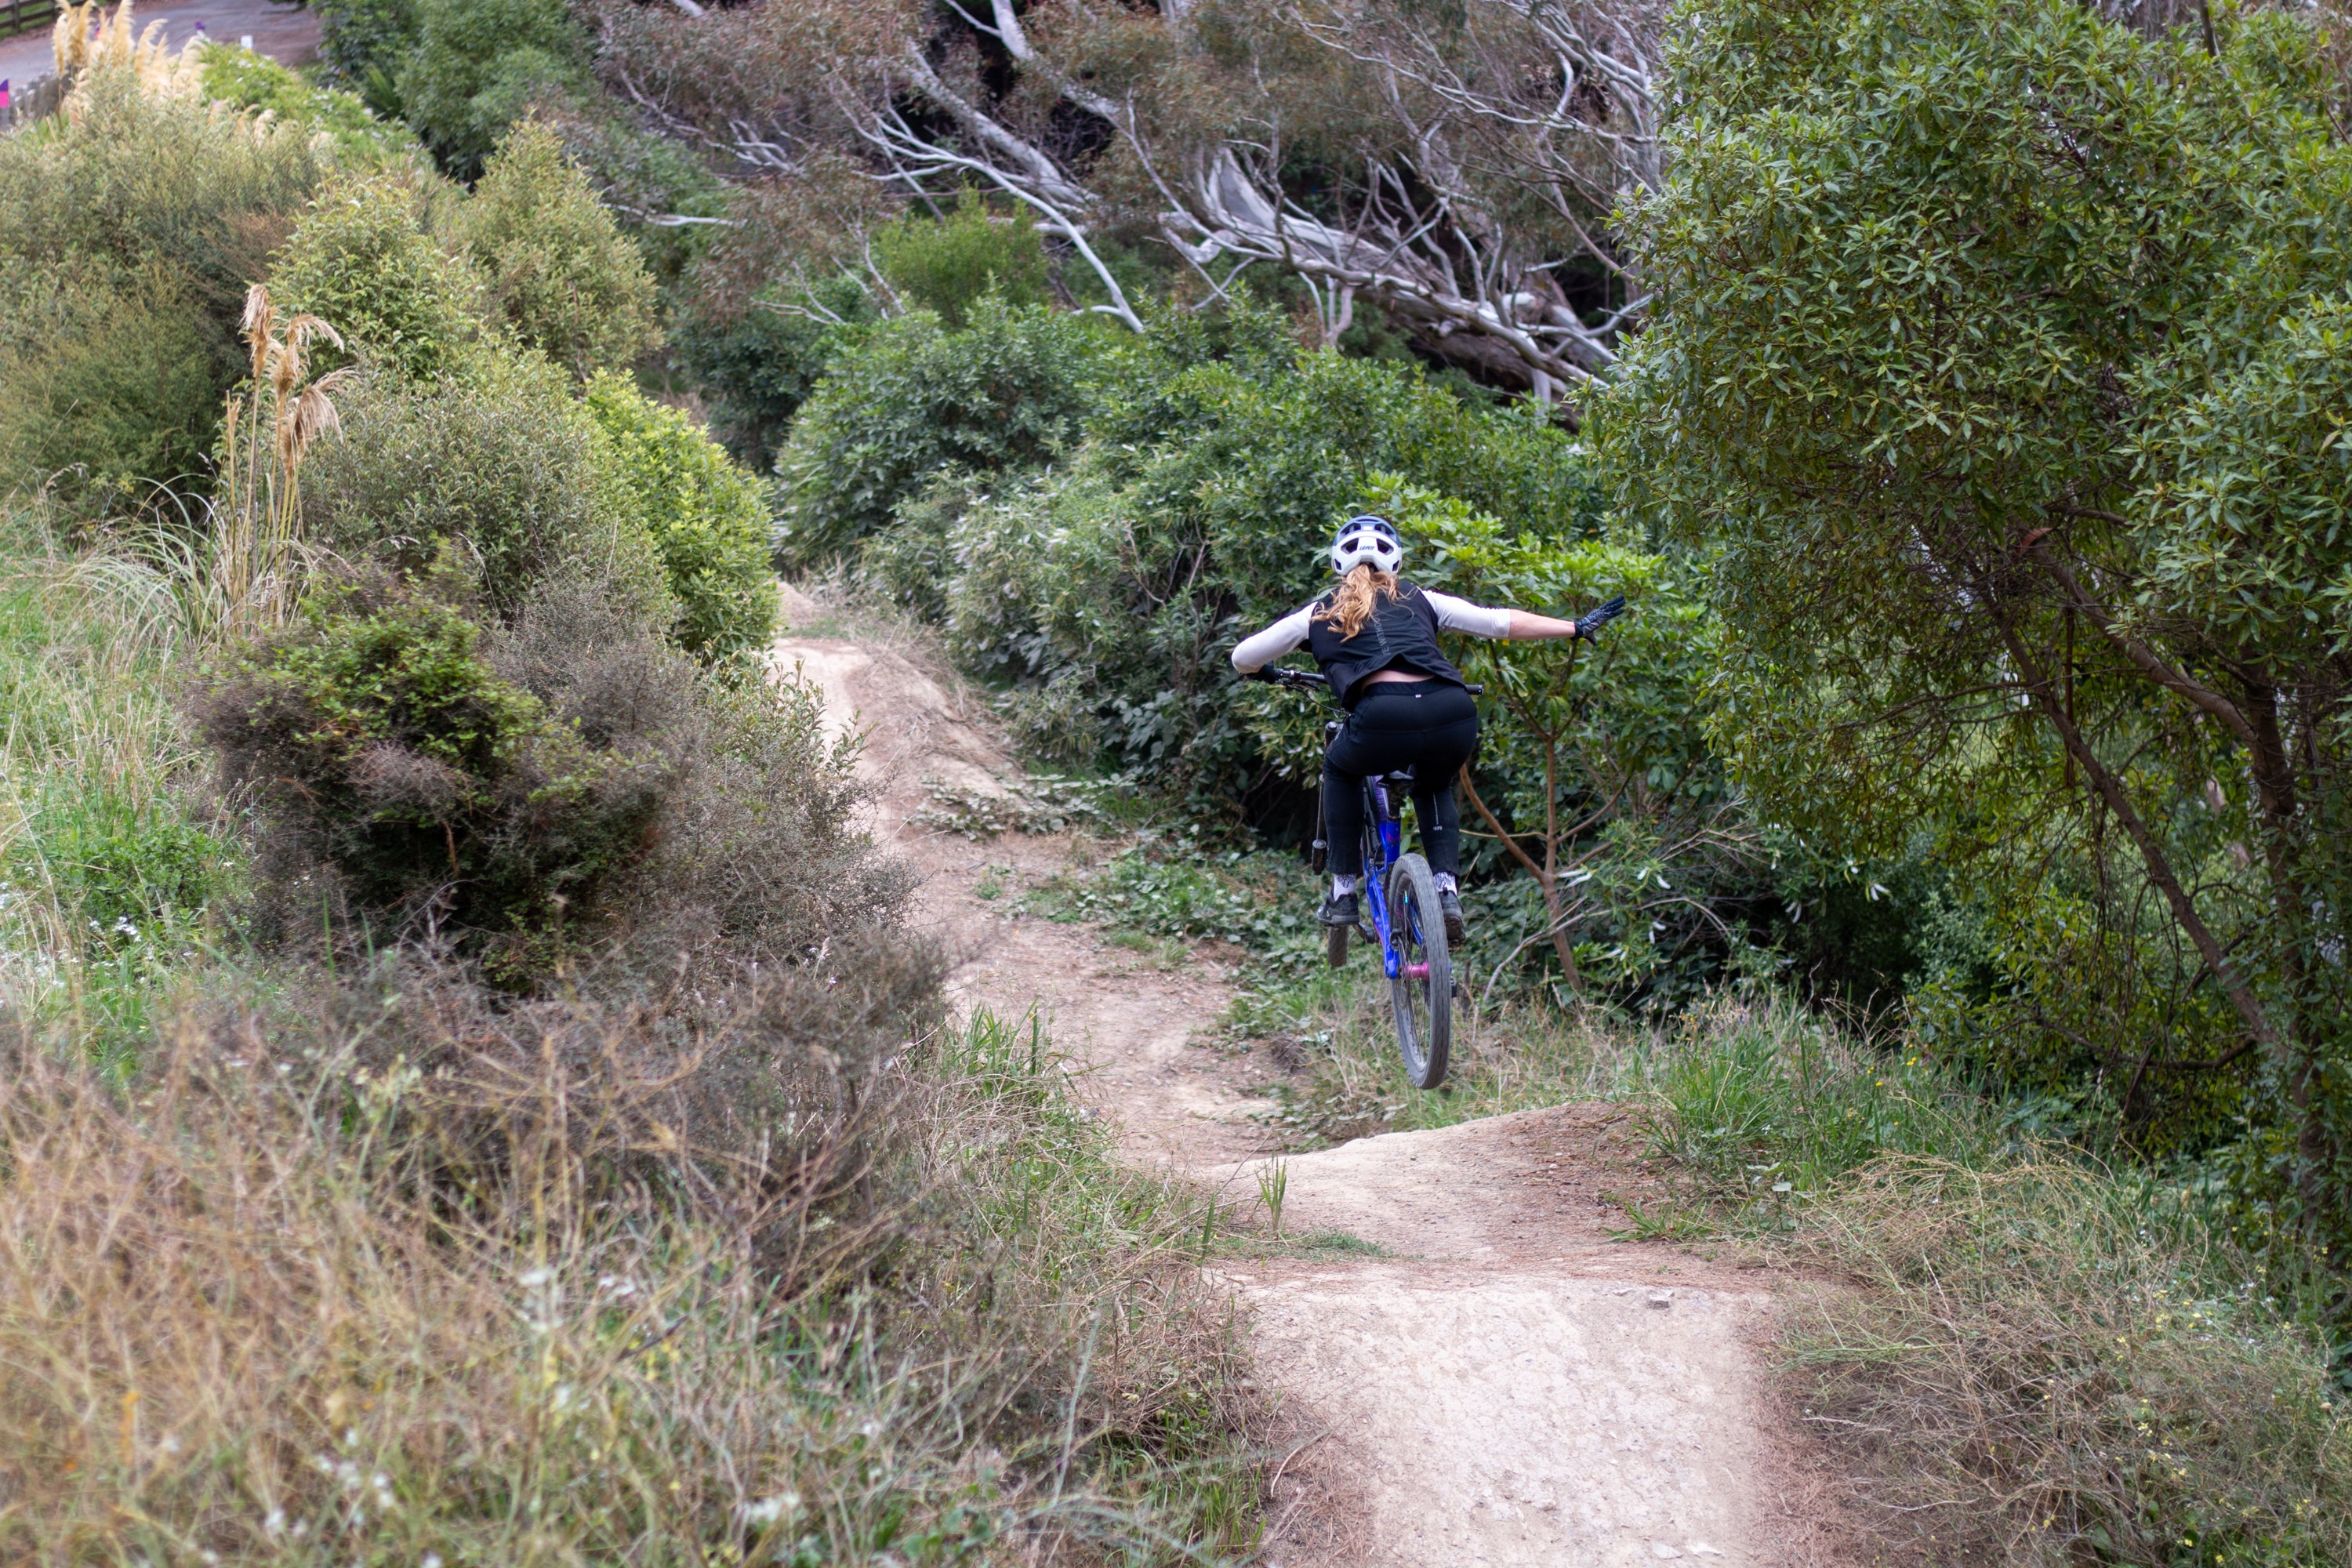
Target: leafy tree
<point>562,275</point>
<point>703,514</point>
<point>2001,359</point>
<point>946,265</point>
<point>1007,392</point>
<point>479,65</point>
<point>1597,756</point>
<point>362,261</point>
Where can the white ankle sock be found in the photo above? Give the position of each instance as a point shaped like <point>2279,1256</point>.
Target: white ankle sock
<point>1342,885</point>
<point>1445,882</point>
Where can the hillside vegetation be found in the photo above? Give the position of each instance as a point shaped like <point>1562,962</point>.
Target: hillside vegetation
<point>409,861</point>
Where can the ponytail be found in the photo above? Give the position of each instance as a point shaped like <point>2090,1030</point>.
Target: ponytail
<point>1362,592</point>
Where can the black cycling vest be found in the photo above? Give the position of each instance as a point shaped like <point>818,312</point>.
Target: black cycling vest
<point>1400,634</point>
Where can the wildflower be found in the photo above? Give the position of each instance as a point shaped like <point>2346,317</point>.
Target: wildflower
<point>767,1510</point>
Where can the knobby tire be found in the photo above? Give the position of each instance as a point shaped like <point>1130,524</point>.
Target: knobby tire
<point>1424,1005</point>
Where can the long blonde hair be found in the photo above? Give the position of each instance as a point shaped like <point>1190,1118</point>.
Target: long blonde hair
<point>1361,593</point>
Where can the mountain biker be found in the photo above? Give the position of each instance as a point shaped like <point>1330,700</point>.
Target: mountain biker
<point>1375,636</point>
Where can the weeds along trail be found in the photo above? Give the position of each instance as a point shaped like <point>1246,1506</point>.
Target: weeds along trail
<point>1463,1367</point>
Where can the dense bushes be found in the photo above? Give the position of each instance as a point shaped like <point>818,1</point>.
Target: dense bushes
<point>1007,392</point>
<point>505,468</point>
<point>563,279</point>
<point>128,234</point>
<point>387,752</point>
<point>536,793</point>
<point>706,517</point>
<point>476,66</point>
<point>1108,594</point>
<point>363,261</point>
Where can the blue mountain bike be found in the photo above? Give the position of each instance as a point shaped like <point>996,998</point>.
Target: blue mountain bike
<point>1400,913</point>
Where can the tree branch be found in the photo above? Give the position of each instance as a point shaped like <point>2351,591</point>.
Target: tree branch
<point>2160,866</point>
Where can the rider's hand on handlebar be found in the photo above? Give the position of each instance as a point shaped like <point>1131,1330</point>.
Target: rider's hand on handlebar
<point>1589,624</point>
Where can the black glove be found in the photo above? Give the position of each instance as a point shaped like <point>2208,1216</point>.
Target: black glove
<point>1589,624</point>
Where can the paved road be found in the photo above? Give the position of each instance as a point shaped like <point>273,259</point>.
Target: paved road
<point>276,29</point>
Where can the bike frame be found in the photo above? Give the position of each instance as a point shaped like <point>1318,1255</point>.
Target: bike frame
<point>1383,842</point>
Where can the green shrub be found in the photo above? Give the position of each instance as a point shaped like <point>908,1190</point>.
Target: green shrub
<point>365,45</point>
<point>505,467</point>
<point>564,787</point>
<point>912,561</point>
<point>385,748</point>
<point>1198,511</point>
<point>479,65</point>
<point>125,868</point>
<point>362,261</point>
<point>564,279</point>
<point>251,79</point>
<point>113,383</point>
<point>704,515</point>
<point>913,397</point>
<point>127,235</point>
<point>946,265</point>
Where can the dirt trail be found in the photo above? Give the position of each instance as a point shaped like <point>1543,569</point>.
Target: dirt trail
<point>1479,1375</point>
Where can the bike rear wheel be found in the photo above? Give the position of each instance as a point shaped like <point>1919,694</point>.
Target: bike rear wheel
<point>1422,992</point>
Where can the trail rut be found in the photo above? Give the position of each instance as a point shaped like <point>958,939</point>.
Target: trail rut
<point>1467,1369</point>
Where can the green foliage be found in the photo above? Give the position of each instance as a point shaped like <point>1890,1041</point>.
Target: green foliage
<point>365,44</point>
<point>1198,511</point>
<point>251,79</point>
<point>913,397</point>
<point>1595,756</point>
<point>945,265</point>
<point>128,234</point>
<point>704,516</point>
<point>756,366</point>
<point>124,871</point>
<point>505,468</point>
<point>1772,1109</point>
<point>1996,365</point>
<point>478,66</point>
<point>562,276</point>
<point>442,795</point>
<point>363,261</point>
<point>112,384</point>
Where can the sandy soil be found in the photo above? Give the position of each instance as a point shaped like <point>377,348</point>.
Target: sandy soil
<point>1467,1370</point>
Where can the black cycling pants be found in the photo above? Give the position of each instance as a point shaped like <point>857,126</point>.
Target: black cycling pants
<point>1429,726</point>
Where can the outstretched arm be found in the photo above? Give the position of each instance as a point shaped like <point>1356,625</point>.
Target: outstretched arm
<point>1254,653</point>
<point>1503,626</point>
<point>1527,628</point>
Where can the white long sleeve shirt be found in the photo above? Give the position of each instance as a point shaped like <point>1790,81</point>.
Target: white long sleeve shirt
<point>1289,634</point>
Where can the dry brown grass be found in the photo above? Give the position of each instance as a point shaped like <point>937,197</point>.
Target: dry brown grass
<point>2044,1363</point>
<point>383,1271</point>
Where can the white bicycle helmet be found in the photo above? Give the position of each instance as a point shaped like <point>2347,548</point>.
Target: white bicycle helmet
<point>1367,539</point>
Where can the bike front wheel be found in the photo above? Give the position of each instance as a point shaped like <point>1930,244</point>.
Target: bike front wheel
<point>1422,990</point>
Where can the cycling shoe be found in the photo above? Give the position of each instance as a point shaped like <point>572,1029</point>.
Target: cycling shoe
<point>1339,910</point>
<point>1449,904</point>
